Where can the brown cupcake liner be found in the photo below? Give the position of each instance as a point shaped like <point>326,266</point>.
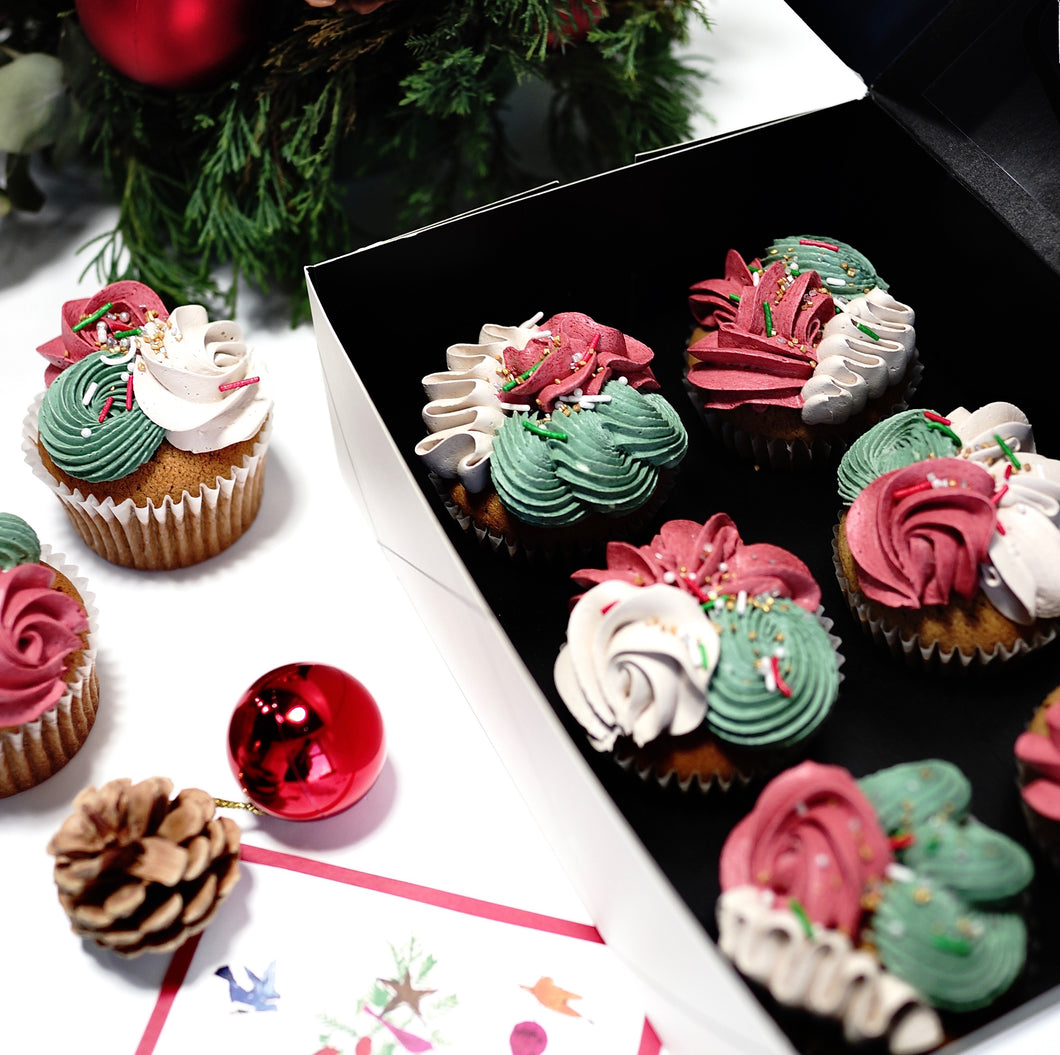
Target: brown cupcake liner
<point>36,750</point>
<point>794,454</point>
<point>558,542</point>
<point>875,623</point>
<point>174,534</point>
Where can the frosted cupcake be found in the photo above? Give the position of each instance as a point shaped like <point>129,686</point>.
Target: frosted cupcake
<point>155,443</point>
<point>693,697</point>
<point>950,547</point>
<point>881,903</point>
<point>1037,753</point>
<point>543,437</point>
<point>795,354</point>
<point>48,686</point>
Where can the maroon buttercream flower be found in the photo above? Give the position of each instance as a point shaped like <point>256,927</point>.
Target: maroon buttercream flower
<point>812,838</point>
<point>127,306</point>
<point>708,560</point>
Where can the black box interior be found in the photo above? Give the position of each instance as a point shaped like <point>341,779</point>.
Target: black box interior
<point>624,247</point>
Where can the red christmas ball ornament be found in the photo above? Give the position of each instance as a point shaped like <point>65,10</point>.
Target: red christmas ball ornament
<point>576,18</point>
<point>306,741</point>
<point>173,44</point>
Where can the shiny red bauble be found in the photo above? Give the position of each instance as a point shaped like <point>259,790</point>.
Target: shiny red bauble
<point>173,44</point>
<point>306,741</point>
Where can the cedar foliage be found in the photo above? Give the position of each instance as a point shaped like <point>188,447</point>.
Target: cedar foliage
<point>254,176</point>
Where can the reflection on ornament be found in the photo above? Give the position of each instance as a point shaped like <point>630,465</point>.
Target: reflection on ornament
<point>306,741</point>
<point>173,44</point>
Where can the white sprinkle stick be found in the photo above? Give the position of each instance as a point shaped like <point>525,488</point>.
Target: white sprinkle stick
<point>89,393</point>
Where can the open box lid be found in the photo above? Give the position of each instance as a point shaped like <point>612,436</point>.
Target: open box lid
<point>977,83</point>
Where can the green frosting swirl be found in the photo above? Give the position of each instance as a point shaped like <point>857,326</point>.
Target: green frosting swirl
<point>844,271</point>
<point>911,793</point>
<point>742,705</point>
<point>113,448</point>
<point>939,923</point>
<point>894,443</point>
<point>18,542</point>
<point>959,958</point>
<point>555,472</point>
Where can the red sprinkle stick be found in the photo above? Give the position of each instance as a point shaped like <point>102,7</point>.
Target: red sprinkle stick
<point>912,489</point>
<point>238,384</point>
<point>932,416</point>
<point>106,409</point>
<point>128,392</point>
<point>782,686</point>
<point>820,245</point>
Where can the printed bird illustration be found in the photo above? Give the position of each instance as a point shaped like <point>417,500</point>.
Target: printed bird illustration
<point>261,994</point>
<point>553,997</point>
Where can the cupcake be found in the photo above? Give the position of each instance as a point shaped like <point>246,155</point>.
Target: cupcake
<point>544,437</point>
<point>1037,753</point>
<point>155,442</point>
<point>795,355</point>
<point>949,548</point>
<point>48,686</point>
<point>691,696</point>
<point>882,903</point>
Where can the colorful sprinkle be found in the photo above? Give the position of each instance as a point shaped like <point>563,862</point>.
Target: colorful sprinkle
<point>552,434</point>
<point>90,391</point>
<point>769,318</point>
<point>954,945</point>
<point>782,686</point>
<point>522,377</point>
<point>932,416</point>
<point>735,298</point>
<point>106,408</point>
<point>129,392</point>
<point>864,329</point>
<point>238,384</point>
<point>902,840</point>
<point>820,245</point>
<point>800,915</point>
<point>1008,452</point>
<point>129,333</point>
<point>89,319</point>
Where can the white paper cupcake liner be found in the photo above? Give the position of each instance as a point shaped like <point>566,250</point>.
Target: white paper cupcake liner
<point>911,650</point>
<point>152,537</point>
<point>34,751</point>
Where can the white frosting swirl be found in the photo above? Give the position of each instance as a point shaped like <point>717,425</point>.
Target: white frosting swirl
<point>852,365</point>
<point>636,663</point>
<point>823,973</point>
<point>465,409</point>
<point>1021,578</point>
<point>182,363</point>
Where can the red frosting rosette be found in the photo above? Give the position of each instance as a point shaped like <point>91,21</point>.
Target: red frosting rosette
<point>39,628</point>
<point>813,839</point>
<point>1041,757</point>
<point>713,300</point>
<point>574,354</point>
<point>918,535</point>
<point>121,306</point>
<point>766,352</point>
<point>708,560</point>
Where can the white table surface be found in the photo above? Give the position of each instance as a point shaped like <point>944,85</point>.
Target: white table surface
<point>307,582</point>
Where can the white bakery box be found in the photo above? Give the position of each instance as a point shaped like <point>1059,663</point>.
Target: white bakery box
<point>958,237</point>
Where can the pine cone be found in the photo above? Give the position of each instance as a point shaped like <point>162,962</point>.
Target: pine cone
<point>137,872</point>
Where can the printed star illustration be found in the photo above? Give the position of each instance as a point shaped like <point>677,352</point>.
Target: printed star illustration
<point>404,993</point>
<point>260,996</point>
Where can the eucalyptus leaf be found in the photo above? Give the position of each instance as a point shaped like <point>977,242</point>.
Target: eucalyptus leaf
<point>32,98</point>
